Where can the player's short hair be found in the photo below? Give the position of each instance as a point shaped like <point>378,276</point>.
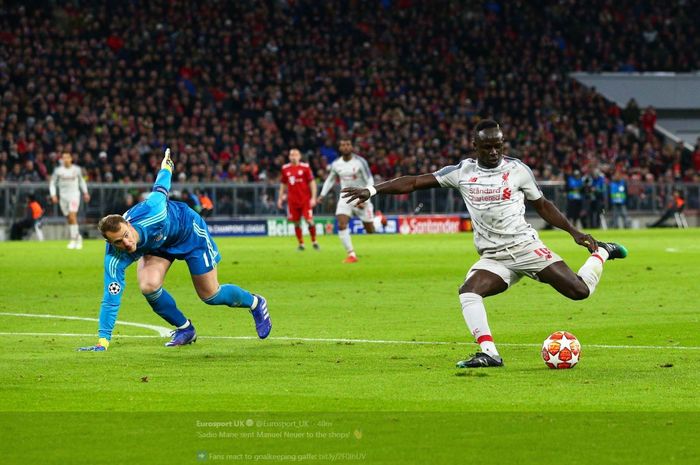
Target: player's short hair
<point>485,124</point>
<point>110,223</point>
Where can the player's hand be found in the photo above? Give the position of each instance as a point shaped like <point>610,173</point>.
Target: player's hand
<point>313,203</point>
<point>356,193</point>
<point>585,240</point>
<point>167,163</point>
<point>279,204</point>
<point>86,197</point>
<point>319,200</point>
<point>54,199</point>
<point>101,346</point>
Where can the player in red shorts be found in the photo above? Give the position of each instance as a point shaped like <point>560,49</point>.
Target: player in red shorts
<point>298,180</point>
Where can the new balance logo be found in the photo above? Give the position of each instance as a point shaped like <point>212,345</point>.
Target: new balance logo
<point>506,194</point>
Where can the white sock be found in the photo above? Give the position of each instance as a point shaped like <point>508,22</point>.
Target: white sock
<point>73,232</point>
<point>186,325</point>
<point>344,235</point>
<point>592,269</point>
<point>475,316</point>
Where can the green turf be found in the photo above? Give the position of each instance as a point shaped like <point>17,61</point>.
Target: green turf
<point>394,403</point>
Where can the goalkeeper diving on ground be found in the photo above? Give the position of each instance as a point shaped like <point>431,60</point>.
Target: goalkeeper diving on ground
<point>154,233</point>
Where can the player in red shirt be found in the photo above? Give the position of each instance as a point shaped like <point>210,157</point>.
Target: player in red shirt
<point>298,180</point>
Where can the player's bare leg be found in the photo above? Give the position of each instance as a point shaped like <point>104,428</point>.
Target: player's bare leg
<point>582,284</point>
<point>480,284</point>
<point>212,293</point>
<point>369,227</point>
<point>151,271</point>
<point>344,235</point>
<point>76,240</point>
<point>565,281</point>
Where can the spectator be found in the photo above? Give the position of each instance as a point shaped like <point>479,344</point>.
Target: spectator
<point>618,201</point>
<point>574,197</point>
<point>675,206</point>
<point>206,203</point>
<point>32,217</point>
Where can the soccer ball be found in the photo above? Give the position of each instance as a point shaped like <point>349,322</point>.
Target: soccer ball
<point>561,350</point>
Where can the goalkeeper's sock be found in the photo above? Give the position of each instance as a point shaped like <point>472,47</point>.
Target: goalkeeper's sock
<point>164,305</point>
<point>231,295</point>
<point>592,269</point>
<point>344,235</point>
<point>475,316</point>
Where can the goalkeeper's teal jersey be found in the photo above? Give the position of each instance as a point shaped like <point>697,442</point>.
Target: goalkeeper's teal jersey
<point>168,229</point>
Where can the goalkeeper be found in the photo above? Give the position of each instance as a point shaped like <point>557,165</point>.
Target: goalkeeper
<point>156,232</point>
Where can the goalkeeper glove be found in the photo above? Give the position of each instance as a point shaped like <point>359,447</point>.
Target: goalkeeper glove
<point>167,163</point>
<point>101,346</point>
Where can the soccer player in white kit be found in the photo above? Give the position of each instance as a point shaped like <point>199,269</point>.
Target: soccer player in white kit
<point>70,182</point>
<point>494,188</point>
<point>353,171</point>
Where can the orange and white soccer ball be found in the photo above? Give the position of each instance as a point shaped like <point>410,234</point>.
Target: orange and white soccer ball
<point>561,350</point>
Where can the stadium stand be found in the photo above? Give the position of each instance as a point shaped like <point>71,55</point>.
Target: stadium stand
<point>232,85</point>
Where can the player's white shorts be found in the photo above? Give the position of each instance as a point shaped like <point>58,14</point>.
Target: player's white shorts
<point>512,263</point>
<point>365,214</point>
<point>69,204</point>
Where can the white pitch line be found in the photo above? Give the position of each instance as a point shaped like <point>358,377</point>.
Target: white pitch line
<point>161,330</point>
<point>353,341</point>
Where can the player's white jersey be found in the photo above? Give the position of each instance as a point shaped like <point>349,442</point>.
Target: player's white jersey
<point>495,199</point>
<point>352,173</point>
<point>69,180</point>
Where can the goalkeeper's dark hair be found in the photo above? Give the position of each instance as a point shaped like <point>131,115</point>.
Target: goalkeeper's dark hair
<point>110,223</point>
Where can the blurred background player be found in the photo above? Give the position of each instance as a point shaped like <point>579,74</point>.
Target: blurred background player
<point>298,182</point>
<point>70,182</point>
<point>353,171</point>
<point>494,189</point>
<point>156,232</point>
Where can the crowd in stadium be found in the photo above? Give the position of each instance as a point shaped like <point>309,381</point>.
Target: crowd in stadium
<point>231,86</point>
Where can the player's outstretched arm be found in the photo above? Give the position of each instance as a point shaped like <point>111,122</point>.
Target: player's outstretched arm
<point>551,214</point>
<point>401,185</point>
<point>115,264</point>
<point>163,180</point>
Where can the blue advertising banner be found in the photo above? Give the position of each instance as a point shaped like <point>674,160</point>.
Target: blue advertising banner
<point>382,225</point>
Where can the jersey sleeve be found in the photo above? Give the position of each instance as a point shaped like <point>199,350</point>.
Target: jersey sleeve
<point>309,174</point>
<point>159,196</point>
<point>284,179</point>
<point>161,188</point>
<point>448,176</point>
<point>528,184</point>
<point>330,181</point>
<point>114,284</point>
<point>52,183</point>
<point>81,181</point>
<point>369,179</point>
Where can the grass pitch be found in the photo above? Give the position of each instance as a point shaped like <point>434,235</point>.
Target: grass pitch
<point>359,367</point>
